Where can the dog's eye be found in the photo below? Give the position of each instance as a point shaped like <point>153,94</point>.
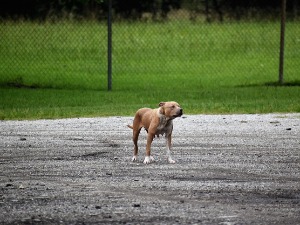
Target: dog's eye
<point>173,106</point>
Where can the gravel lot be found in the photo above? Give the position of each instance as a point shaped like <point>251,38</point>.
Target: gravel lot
<point>231,169</point>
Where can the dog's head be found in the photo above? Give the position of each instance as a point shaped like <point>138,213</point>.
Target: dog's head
<point>170,109</point>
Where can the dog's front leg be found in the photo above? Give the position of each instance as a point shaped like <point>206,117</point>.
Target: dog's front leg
<point>149,158</point>
<point>168,148</point>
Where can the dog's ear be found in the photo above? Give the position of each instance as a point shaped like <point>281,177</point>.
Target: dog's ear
<point>161,104</point>
<point>161,109</point>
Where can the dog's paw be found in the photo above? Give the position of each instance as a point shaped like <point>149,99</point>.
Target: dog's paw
<point>134,158</point>
<point>171,161</point>
<point>148,159</point>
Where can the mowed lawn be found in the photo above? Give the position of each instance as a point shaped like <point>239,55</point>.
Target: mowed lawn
<point>59,70</point>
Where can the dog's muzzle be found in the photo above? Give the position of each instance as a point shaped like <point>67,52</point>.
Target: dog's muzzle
<point>179,113</point>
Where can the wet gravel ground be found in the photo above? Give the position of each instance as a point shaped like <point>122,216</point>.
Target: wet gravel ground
<point>231,169</point>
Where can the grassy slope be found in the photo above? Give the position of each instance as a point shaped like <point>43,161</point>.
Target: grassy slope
<point>218,68</point>
<point>49,103</point>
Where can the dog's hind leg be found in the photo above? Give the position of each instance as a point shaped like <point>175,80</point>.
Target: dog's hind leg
<point>135,138</point>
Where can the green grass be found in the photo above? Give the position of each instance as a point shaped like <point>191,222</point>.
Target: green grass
<point>59,70</point>
<point>62,55</point>
<point>50,103</point>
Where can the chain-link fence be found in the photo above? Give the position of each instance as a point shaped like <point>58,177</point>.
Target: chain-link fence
<point>186,44</point>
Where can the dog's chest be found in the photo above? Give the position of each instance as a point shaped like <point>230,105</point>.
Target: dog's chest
<point>164,127</point>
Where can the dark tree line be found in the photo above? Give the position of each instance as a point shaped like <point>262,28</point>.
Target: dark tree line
<point>237,9</point>
<point>134,9</point>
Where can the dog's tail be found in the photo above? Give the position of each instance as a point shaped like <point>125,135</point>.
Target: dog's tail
<point>129,126</point>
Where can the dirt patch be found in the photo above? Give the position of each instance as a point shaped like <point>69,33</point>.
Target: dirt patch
<point>231,169</point>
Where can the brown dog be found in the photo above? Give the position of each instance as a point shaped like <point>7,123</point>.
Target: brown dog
<point>156,122</point>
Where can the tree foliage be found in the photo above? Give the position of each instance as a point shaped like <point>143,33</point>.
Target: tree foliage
<point>134,9</point>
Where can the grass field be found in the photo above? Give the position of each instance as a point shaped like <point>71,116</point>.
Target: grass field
<point>59,70</point>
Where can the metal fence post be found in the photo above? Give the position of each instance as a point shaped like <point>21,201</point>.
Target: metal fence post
<point>109,46</point>
<point>282,33</point>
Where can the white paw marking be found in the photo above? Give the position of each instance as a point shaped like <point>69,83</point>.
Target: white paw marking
<point>148,159</point>
<point>171,161</point>
<point>134,158</point>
